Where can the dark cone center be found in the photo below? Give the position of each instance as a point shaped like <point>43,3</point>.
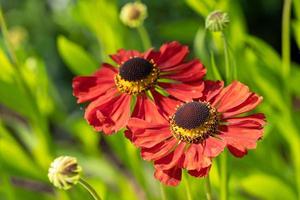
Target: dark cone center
<point>135,69</point>
<point>191,115</point>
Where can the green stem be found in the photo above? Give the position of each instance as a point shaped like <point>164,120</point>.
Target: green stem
<point>285,38</point>
<point>228,71</point>
<point>224,173</point>
<point>224,176</point>
<point>90,189</point>
<point>163,192</point>
<point>187,188</point>
<point>208,188</point>
<point>144,37</point>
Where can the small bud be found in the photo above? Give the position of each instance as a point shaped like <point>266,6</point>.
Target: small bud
<point>133,14</point>
<point>64,172</point>
<point>217,21</point>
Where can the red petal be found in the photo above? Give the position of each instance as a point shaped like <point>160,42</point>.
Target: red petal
<point>109,113</point>
<point>171,54</point>
<point>158,151</point>
<point>200,173</point>
<point>213,147</point>
<point>171,177</point>
<point>211,90</point>
<point>184,91</point>
<point>236,94</point>
<point>145,134</point>
<point>88,88</point>
<point>240,138</point>
<point>195,159</point>
<point>166,105</point>
<point>251,103</point>
<point>152,55</point>
<point>174,158</point>
<point>123,55</point>
<point>255,121</point>
<point>191,71</point>
<point>147,110</point>
<point>236,99</point>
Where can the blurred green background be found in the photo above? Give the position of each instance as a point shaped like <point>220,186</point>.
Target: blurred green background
<point>55,40</point>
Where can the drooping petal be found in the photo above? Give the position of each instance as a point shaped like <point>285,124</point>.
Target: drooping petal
<point>171,177</point>
<point>200,173</point>
<point>160,150</point>
<point>147,110</point>
<point>174,158</point>
<point>123,55</point>
<point>145,134</point>
<point>171,54</point>
<point>166,105</point>
<point>195,158</point>
<point>213,146</point>
<point>240,139</point>
<point>109,113</point>
<point>88,88</point>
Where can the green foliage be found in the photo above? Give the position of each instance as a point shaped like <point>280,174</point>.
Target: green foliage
<point>76,58</point>
<point>39,119</point>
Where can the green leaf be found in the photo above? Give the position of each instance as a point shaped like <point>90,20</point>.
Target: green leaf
<point>14,158</point>
<point>266,53</point>
<point>296,27</point>
<point>214,68</point>
<point>76,58</point>
<point>14,98</point>
<point>266,187</point>
<point>200,6</point>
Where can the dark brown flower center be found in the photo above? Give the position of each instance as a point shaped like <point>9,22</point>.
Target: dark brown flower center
<point>193,122</point>
<point>135,69</point>
<point>191,115</point>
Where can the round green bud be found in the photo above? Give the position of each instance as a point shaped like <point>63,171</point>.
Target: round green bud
<point>217,21</point>
<point>64,172</point>
<point>133,14</point>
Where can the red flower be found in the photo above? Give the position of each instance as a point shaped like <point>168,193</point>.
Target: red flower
<point>143,75</point>
<point>199,130</point>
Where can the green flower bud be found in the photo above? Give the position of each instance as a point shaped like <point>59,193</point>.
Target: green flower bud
<point>64,172</point>
<point>217,21</point>
<point>133,14</point>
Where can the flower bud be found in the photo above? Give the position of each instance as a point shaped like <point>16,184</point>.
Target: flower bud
<point>217,21</point>
<point>64,172</point>
<point>133,14</point>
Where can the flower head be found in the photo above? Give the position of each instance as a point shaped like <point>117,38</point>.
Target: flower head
<point>64,172</point>
<point>217,21</point>
<point>133,14</point>
<point>111,89</point>
<point>199,130</point>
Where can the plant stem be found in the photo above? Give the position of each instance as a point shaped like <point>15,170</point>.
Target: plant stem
<point>224,179</point>
<point>144,37</point>
<point>228,71</point>
<point>187,188</point>
<point>228,79</point>
<point>163,192</point>
<point>90,189</point>
<point>285,38</point>
<point>208,188</point>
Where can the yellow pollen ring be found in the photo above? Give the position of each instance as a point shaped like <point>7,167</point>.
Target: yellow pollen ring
<point>199,134</point>
<point>136,87</point>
